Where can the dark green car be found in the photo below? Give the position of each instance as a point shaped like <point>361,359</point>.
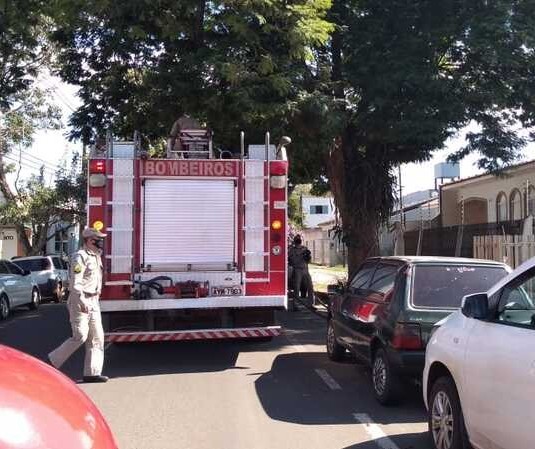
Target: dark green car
<point>387,311</point>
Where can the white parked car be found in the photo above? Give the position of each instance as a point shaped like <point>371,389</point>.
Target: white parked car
<point>50,273</point>
<point>479,376</point>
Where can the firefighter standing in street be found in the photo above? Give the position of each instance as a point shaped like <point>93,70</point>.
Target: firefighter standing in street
<point>84,309</point>
<point>298,259</point>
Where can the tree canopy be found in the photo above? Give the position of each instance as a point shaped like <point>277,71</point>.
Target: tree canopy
<point>361,85</point>
<point>141,64</point>
<point>403,77</point>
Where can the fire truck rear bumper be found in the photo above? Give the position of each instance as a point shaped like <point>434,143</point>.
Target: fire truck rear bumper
<point>194,303</point>
<point>202,334</point>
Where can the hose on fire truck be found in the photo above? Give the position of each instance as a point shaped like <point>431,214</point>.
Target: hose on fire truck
<point>153,283</point>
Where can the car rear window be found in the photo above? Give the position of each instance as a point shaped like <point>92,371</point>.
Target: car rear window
<point>384,278</point>
<point>363,276</point>
<point>443,286</point>
<point>33,264</point>
<point>59,264</point>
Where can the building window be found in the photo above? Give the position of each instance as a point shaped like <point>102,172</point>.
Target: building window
<point>515,205</point>
<point>318,210</point>
<point>61,242</point>
<point>531,200</point>
<point>501,207</point>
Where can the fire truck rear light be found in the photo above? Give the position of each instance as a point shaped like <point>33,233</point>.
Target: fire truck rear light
<point>97,180</point>
<point>276,225</point>
<point>97,166</point>
<point>98,225</point>
<point>278,182</point>
<point>278,168</point>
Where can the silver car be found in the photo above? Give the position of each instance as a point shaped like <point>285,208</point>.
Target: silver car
<point>17,288</point>
<point>50,273</point>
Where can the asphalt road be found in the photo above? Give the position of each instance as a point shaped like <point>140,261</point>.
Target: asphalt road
<point>232,395</point>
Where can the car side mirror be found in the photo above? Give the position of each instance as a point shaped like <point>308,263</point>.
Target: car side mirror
<point>476,306</point>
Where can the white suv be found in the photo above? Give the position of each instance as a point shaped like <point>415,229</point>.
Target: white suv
<point>479,377</point>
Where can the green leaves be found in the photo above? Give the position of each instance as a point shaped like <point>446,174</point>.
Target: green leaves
<point>232,63</point>
<point>23,46</point>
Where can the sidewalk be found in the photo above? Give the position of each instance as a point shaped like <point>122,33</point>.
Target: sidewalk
<point>323,276</point>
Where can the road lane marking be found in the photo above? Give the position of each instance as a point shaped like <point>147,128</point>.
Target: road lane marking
<point>326,377</point>
<point>374,431</point>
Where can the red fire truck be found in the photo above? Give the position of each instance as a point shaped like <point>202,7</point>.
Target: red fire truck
<point>196,245</point>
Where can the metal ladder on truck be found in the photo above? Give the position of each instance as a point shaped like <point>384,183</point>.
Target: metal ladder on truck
<point>120,207</point>
<point>256,214</point>
<point>194,144</point>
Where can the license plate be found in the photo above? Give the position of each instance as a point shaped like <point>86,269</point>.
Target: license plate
<point>226,291</point>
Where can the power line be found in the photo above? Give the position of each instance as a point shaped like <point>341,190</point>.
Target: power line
<point>56,92</point>
<point>23,157</point>
<point>30,165</point>
<point>27,154</point>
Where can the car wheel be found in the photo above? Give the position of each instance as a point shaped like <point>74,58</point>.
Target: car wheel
<point>385,384</point>
<point>58,292</point>
<point>4,307</point>
<point>335,351</point>
<point>445,416</point>
<point>36,299</point>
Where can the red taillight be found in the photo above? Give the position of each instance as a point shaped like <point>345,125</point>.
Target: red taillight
<point>97,166</point>
<point>407,336</point>
<point>278,168</point>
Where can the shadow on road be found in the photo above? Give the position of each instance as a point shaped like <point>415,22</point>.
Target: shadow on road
<point>284,393</point>
<point>38,333</point>
<point>402,441</point>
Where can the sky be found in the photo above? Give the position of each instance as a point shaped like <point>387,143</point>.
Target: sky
<point>53,148</point>
<point>415,177</point>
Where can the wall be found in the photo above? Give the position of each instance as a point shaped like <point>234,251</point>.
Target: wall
<point>487,188</point>
<point>325,249</point>
<point>313,220</point>
<point>10,243</point>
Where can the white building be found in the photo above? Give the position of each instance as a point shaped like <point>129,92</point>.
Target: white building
<point>63,239</point>
<point>316,210</point>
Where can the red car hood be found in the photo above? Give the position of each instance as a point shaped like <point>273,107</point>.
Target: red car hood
<point>41,408</point>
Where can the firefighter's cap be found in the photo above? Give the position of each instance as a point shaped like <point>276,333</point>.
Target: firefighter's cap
<point>92,233</point>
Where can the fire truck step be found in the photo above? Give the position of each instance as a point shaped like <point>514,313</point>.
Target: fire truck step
<point>201,334</point>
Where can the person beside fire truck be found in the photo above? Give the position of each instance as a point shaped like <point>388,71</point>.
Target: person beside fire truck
<point>299,258</point>
<point>84,309</point>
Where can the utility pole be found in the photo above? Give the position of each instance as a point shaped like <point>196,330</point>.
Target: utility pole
<point>527,198</point>
<point>401,214</point>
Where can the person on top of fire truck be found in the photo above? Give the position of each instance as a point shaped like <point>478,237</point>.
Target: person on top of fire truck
<point>84,309</point>
<point>299,258</point>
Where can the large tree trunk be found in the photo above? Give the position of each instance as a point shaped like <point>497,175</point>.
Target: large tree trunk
<point>361,184</point>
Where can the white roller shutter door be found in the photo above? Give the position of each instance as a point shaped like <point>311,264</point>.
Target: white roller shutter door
<point>189,222</point>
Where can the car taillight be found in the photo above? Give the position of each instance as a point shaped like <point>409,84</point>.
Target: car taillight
<point>407,336</point>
